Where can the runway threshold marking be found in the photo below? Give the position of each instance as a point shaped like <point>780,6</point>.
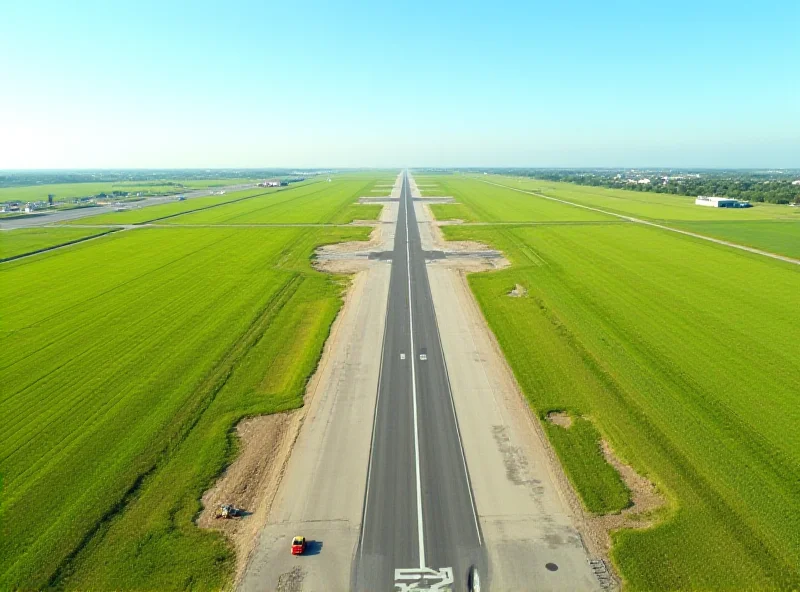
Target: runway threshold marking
<point>423,578</point>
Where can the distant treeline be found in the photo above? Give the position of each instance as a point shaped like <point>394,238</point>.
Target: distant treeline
<point>154,177</point>
<point>772,187</point>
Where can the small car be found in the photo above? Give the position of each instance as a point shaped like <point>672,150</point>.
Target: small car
<point>298,545</point>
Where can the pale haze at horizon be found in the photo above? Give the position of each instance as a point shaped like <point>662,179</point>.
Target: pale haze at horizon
<point>246,84</point>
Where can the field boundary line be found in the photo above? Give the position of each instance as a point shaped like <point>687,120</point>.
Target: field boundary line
<point>206,207</point>
<point>61,246</point>
<point>655,225</point>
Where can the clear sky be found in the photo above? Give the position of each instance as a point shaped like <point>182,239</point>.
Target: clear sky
<point>259,84</point>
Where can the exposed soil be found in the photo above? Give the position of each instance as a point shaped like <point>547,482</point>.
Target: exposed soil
<point>471,264</point>
<point>344,257</point>
<point>644,495</point>
<point>251,481</point>
<point>518,292</point>
<point>560,418</point>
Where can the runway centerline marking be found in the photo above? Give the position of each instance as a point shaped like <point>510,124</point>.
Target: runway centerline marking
<point>420,527</point>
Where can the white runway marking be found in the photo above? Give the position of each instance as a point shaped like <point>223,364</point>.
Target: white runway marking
<point>420,529</point>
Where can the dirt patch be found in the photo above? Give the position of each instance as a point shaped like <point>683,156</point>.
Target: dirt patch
<point>350,256</point>
<point>518,292</point>
<point>644,495</point>
<point>485,259</point>
<point>251,481</point>
<point>560,418</point>
<point>643,513</point>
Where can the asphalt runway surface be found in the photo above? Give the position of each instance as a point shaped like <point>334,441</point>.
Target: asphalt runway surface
<point>420,527</point>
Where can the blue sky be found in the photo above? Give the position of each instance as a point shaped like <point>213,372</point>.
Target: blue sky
<point>259,84</point>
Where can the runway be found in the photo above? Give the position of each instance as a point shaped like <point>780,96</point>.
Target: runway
<point>420,524</point>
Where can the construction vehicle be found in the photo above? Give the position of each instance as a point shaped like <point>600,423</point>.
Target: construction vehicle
<point>227,511</point>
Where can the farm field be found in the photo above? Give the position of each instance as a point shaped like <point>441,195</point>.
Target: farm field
<point>14,243</point>
<point>776,236</point>
<point>317,203</point>
<point>478,202</point>
<point>683,355</point>
<point>141,215</point>
<point>650,206</point>
<point>127,360</point>
<point>66,191</point>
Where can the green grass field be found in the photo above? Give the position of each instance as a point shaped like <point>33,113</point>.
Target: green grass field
<point>775,236</point>
<point>67,191</point>
<point>319,203</point>
<point>684,355</point>
<point>140,215</point>
<point>126,362</point>
<point>14,243</point>
<point>479,202</point>
<point>650,206</point>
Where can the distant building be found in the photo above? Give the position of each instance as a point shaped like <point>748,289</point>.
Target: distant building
<point>720,202</point>
<point>644,181</point>
<point>796,182</point>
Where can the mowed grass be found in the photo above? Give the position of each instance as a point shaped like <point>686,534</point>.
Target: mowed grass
<point>650,206</point>
<point>14,243</point>
<point>141,215</point>
<point>479,202</point>
<point>775,236</point>
<point>321,202</point>
<point>126,362</point>
<point>685,356</point>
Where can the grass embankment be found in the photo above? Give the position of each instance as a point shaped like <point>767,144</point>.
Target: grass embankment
<point>684,355</point>
<point>319,203</point>
<point>127,360</point>
<point>15,243</point>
